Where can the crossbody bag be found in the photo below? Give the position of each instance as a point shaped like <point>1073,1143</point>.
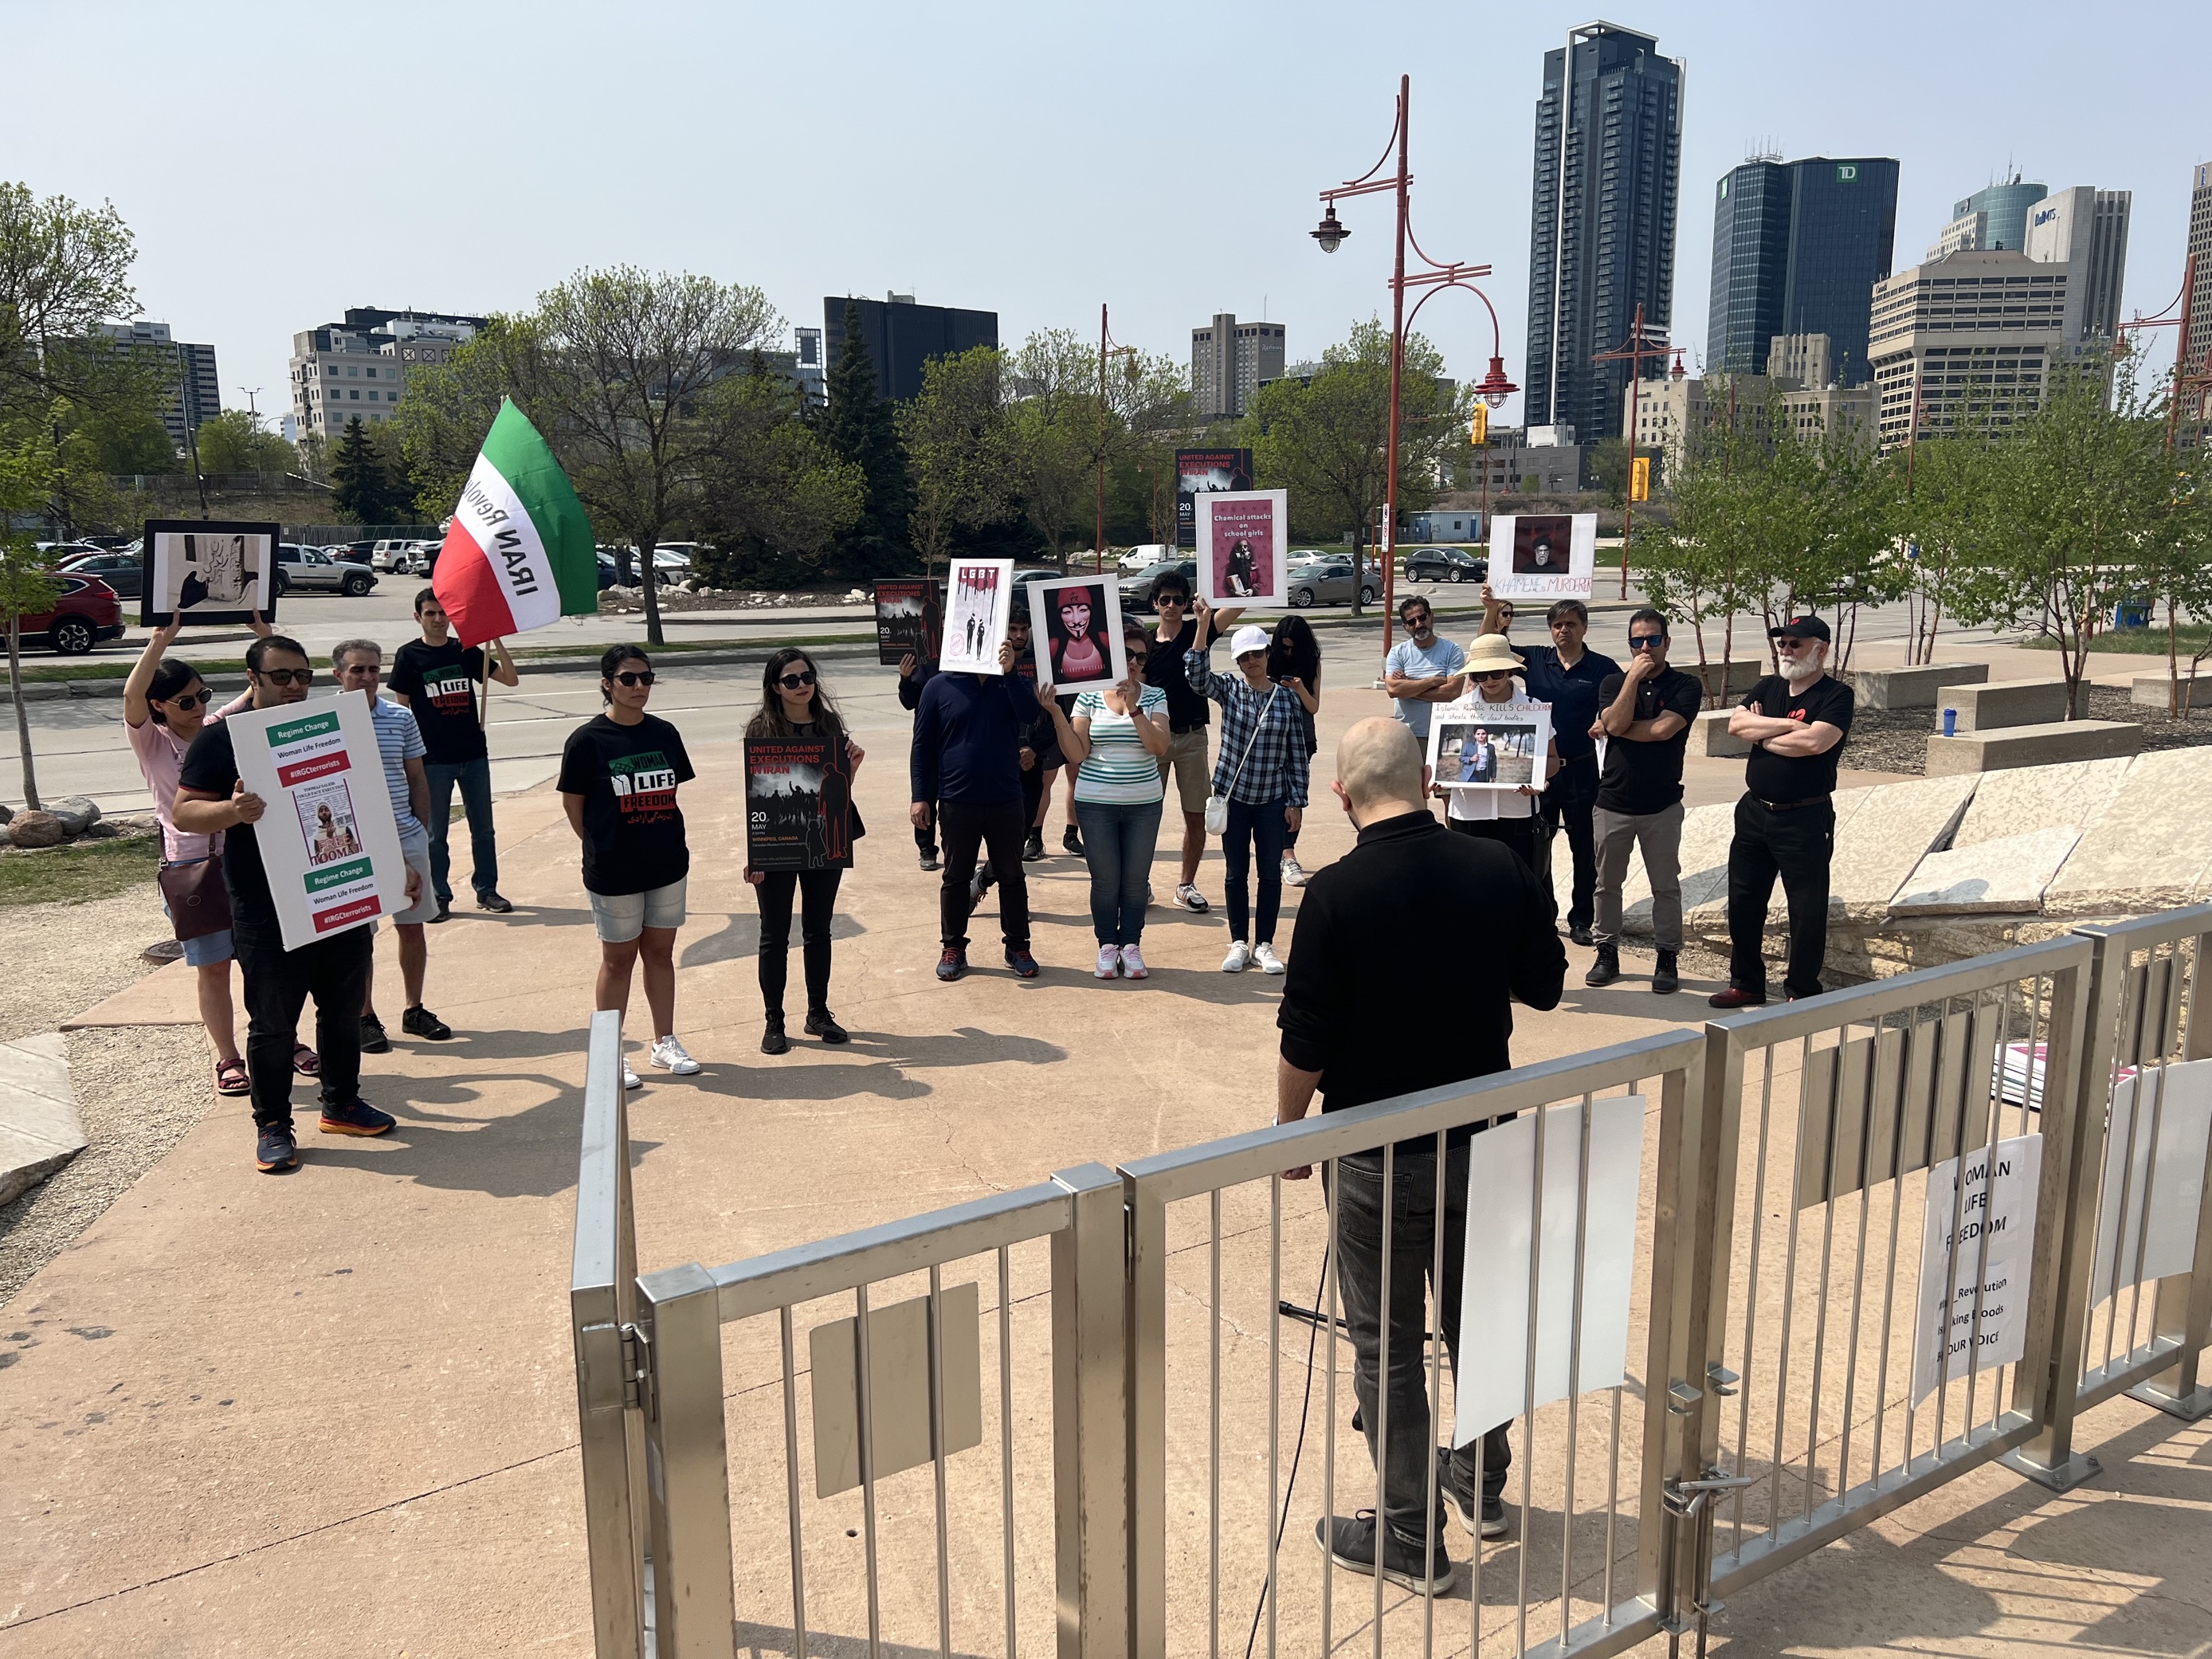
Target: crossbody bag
<point>199,899</point>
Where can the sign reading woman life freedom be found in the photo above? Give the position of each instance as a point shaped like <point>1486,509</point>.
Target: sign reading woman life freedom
<point>1543,556</point>
<point>328,842</point>
<point>1075,628</point>
<point>1244,546</point>
<point>206,571</point>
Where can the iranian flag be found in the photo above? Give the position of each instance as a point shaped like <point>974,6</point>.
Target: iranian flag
<point>519,554</point>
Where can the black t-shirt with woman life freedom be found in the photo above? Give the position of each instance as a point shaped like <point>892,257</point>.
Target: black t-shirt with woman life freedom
<point>1791,778</point>
<point>633,828</point>
<point>439,683</point>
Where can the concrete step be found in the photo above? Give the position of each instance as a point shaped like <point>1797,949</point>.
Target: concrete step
<point>1999,703</point>
<point>2042,744</point>
<point>1919,687</point>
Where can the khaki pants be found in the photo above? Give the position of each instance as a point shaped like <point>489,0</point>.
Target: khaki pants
<point>1660,835</point>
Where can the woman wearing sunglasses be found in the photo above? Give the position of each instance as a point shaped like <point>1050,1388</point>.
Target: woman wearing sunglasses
<point>795,703</point>
<point>1496,814</point>
<point>619,774</point>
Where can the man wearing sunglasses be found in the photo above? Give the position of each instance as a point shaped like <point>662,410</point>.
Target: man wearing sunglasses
<point>333,969</point>
<point>1785,824</point>
<point>1646,713</point>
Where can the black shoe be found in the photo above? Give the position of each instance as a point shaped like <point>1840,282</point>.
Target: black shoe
<point>1579,935</point>
<point>1033,848</point>
<point>1023,964</point>
<point>445,911</point>
<point>276,1149</point>
<point>372,1038</point>
<point>1664,978</point>
<point>419,1021</point>
<point>355,1117</point>
<point>1492,1523</point>
<point>821,1022</point>
<point>773,1041</point>
<point>1351,1544</point>
<point>493,903</point>
<point>929,860</point>
<point>1606,968</point>
<point>1071,841</point>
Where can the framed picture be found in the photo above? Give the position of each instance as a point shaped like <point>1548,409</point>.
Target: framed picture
<point>979,597</point>
<point>1498,746</point>
<point>205,570</point>
<point>1543,556</point>
<point>909,616</point>
<point>1075,629</point>
<point>1244,546</point>
<point>799,804</point>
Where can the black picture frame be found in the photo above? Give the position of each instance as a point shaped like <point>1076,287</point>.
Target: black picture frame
<point>160,542</point>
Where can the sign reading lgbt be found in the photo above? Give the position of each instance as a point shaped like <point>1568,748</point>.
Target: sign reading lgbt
<point>519,554</point>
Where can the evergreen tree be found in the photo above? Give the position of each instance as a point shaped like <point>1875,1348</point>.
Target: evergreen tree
<point>861,428</point>
<point>361,489</point>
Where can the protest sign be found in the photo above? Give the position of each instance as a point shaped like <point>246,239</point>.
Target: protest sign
<point>980,595</point>
<point>1490,745</point>
<point>1983,1225</point>
<point>198,570</point>
<point>908,616</point>
<point>1075,629</point>
<point>799,804</point>
<point>1543,556</point>
<point>1244,546</point>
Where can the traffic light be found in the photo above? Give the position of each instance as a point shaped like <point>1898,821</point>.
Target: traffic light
<point>1478,426</point>
<point>1639,479</point>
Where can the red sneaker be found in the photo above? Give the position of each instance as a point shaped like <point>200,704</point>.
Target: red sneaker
<point>1736,997</point>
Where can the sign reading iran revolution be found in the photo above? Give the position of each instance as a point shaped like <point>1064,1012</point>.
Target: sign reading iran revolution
<point>518,553</point>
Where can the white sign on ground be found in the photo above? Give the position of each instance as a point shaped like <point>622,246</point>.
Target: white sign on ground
<point>2170,1188</point>
<point>1997,1205</point>
<point>1494,1349</point>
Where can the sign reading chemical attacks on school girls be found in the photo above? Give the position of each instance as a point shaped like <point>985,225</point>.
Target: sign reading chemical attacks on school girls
<point>1980,1226</point>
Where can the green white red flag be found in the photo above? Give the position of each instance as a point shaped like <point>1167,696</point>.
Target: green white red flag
<point>519,554</point>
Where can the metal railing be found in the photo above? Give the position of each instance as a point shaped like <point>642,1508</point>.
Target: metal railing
<point>1880,1237</point>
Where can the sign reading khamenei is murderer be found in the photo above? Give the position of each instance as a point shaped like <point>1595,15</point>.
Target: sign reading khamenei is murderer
<point>328,842</point>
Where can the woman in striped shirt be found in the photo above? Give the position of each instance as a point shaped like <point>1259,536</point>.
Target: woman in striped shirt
<point>1116,739</point>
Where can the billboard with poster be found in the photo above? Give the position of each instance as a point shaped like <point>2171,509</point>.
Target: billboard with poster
<point>1203,471</point>
<point>1543,556</point>
<point>203,570</point>
<point>1244,546</point>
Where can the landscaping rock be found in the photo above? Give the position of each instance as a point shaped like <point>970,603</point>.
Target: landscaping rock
<point>77,813</point>
<point>35,829</point>
<point>2149,848</point>
<point>2007,874</point>
<point>2012,802</point>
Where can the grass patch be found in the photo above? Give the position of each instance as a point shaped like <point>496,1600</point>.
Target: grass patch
<point>2141,641</point>
<point>73,874</point>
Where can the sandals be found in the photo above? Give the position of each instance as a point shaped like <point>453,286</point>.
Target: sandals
<point>306,1061</point>
<point>230,1078</point>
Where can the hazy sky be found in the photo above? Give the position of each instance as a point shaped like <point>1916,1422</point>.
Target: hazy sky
<point>280,162</point>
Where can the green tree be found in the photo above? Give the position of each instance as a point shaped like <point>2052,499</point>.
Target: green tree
<point>362,490</point>
<point>1057,431</point>
<point>232,442</point>
<point>1947,518</point>
<point>450,406</point>
<point>772,499</point>
<point>954,434</point>
<point>861,430</point>
<point>131,440</point>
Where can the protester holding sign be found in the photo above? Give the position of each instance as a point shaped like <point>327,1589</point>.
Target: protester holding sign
<point>915,673</point>
<point>1176,636</point>
<point>1294,663</point>
<point>795,703</point>
<point>1496,814</point>
<point>436,679</point>
<point>619,773</point>
<point>333,967</point>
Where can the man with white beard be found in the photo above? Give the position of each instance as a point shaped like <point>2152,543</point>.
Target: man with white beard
<point>1785,824</point>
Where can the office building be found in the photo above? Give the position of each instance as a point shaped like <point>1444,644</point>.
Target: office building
<point>2002,209</point>
<point>1798,248</point>
<point>1798,389</point>
<point>1601,224</point>
<point>1230,360</point>
<point>2088,229</point>
<point>1973,337</point>
<point>900,336</point>
<point>199,389</point>
<point>1536,461</point>
<point>360,366</point>
<point>2196,309</point>
<point>807,364</point>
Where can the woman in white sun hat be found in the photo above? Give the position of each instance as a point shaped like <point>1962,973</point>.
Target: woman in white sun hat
<point>1495,814</point>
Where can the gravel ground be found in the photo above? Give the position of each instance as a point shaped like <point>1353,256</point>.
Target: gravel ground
<point>62,958</point>
<point>1896,741</point>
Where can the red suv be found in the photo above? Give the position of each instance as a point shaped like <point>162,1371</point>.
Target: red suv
<point>86,613</point>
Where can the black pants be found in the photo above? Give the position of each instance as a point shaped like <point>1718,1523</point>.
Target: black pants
<point>924,839</point>
<point>278,982</point>
<point>818,890</point>
<point>1567,803</point>
<point>1519,834</point>
<point>1034,782</point>
<point>1359,1202</point>
<point>999,827</point>
<point>1796,845</point>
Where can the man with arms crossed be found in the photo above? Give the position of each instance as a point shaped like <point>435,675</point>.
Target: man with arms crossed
<point>1421,668</point>
<point>435,679</point>
<point>1785,824</point>
<point>1187,719</point>
<point>1356,1028</point>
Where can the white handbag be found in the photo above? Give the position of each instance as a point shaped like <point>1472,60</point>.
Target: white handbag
<point>1217,807</point>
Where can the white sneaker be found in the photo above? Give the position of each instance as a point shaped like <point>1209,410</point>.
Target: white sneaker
<point>1133,964</point>
<point>1238,959</point>
<point>668,1054</point>
<point>1109,961</point>
<point>1188,897</point>
<point>630,1079</point>
<point>1264,954</point>
<point>1294,874</point>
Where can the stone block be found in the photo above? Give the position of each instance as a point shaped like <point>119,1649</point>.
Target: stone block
<point>1919,687</point>
<point>2031,745</point>
<point>1708,737</point>
<point>2150,848</point>
<point>2007,874</point>
<point>2152,691</point>
<point>112,686</point>
<point>2012,802</point>
<point>39,1129</point>
<point>1741,676</point>
<point>1998,704</point>
<point>1882,835</point>
<point>1707,832</point>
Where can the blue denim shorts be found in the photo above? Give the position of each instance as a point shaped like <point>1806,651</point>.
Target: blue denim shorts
<point>621,917</point>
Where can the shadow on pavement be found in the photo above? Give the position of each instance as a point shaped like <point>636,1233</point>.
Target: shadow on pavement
<point>527,1154</point>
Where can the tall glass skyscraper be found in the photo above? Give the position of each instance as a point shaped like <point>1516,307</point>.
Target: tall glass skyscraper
<point>2006,206</point>
<point>1602,227</point>
<point>1798,248</point>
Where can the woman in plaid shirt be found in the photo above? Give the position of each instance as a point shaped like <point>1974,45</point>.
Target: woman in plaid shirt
<point>1263,771</point>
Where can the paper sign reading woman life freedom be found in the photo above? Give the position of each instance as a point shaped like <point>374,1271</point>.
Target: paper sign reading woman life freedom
<point>1244,546</point>
<point>1975,1316</point>
<point>1543,556</point>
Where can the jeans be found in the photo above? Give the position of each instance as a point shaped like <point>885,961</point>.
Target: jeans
<point>1797,846</point>
<point>1660,835</point>
<point>1568,804</point>
<point>1519,834</point>
<point>1118,840</point>
<point>475,779</point>
<point>278,982</point>
<point>999,827</point>
<point>1358,1198</point>
<point>818,890</point>
<point>1255,830</point>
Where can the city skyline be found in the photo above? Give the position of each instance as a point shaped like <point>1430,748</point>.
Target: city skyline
<point>878,203</point>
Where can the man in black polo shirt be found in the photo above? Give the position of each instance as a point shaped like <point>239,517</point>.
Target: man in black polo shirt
<point>1357,1028</point>
<point>1187,719</point>
<point>1785,824</point>
<point>1646,713</point>
<point>1567,676</point>
<point>436,679</point>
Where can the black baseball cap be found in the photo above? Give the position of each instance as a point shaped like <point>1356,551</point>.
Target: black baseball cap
<point>1810,628</point>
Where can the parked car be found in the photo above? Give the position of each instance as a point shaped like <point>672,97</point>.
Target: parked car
<point>607,576</point>
<point>86,612</point>
<point>1445,564</point>
<point>1328,581</point>
<point>312,571</point>
<point>120,571</point>
<point>1138,589</point>
<point>387,556</point>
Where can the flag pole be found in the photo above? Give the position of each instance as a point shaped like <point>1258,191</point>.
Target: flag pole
<point>484,709</point>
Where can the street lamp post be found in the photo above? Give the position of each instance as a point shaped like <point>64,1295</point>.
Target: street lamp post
<point>1494,388</point>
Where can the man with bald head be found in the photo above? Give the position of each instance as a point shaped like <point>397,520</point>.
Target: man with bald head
<point>1366,1016</point>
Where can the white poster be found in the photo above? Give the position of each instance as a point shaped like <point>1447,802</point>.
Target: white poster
<point>979,598</point>
<point>205,571</point>
<point>2170,1188</point>
<point>1075,629</point>
<point>328,842</point>
<point>1999,1207</point>
<point>1494,1343</point>
<point>1543,556</point>
<point>1244,546</point>
<point>1495,746</point>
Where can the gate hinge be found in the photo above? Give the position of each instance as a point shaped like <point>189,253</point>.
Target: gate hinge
<point>636,1367</point>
